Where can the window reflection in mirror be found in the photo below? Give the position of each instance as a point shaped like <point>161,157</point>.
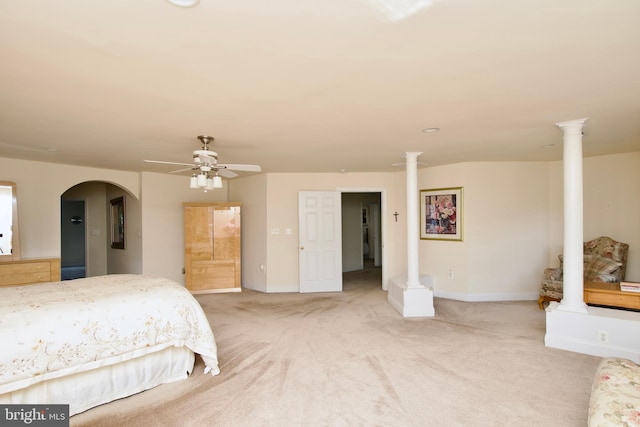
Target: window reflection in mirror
<point>9,241</point>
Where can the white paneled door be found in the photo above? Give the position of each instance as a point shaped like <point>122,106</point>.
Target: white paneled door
<point>320,244</point>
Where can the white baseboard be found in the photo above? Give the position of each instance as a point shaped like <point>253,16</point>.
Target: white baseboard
<point>485,297</point>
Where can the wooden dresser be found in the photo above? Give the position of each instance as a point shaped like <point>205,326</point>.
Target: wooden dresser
<point>29,271</point>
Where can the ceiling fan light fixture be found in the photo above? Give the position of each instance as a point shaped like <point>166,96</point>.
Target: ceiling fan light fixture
<point>202,180</point>
<point>193,181</point>
<point>210,185</point>
<point>184,3</point>
<point>430,130</point>
<point>206,172</point>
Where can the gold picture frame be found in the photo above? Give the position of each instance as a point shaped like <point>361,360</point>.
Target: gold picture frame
<point>441,214</point>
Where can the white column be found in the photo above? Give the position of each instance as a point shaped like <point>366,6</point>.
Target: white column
<point>413,222</point>
<point>412,295</point>
<point>573,281</point>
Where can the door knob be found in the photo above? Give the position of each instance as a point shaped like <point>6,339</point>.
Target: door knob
<point>302,248</point>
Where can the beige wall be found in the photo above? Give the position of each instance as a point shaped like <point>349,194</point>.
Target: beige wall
<point>155,235</point>
<point>162,214</point>
<point>611,205</point>
<point>513,223</point>
<point>251,192</point>
<point>512,219</point>
<point>503,252</point>
<point>39,187</point>
<point>282,213</point>
<point>129,259</point>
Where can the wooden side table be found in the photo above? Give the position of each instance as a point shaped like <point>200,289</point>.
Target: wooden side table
<point>609,294</point>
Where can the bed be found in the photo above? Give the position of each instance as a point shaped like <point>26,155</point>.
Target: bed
<point>86,342</point>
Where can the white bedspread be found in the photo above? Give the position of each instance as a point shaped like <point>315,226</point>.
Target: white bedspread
<point>55,329</point>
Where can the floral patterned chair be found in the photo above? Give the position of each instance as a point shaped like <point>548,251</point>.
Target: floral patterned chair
<point>615,396</point>
<point>605,260</point>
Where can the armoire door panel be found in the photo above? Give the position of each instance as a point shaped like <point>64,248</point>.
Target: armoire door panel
<point>212,247</point>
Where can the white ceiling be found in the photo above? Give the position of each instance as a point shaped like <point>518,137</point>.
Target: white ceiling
<point>315,85</point>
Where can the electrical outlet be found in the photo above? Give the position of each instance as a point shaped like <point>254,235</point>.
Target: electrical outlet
<point>603,336</point>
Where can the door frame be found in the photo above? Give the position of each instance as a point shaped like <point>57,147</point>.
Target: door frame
<point>383,225</point>
<point>375,225</point>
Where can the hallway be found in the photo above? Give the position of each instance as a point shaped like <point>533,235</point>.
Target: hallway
<point>369,277</point>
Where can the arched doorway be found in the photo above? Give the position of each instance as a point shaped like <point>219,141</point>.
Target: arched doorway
<point>86,232</point>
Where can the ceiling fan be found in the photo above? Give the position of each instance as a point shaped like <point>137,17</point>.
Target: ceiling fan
<point>206,169</point>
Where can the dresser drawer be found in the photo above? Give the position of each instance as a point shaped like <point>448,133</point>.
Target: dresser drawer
<point>25,272</point>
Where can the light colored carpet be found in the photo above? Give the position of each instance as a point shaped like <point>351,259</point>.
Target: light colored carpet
<point>350,359</point>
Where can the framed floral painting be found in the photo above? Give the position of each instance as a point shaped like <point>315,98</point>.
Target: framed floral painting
<point>441,214</point>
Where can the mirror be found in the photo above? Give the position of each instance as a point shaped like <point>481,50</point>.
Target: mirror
<point>117,223</point>
<point>9,238</point>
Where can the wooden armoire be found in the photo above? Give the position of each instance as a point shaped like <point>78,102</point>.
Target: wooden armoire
<point>212,247</point>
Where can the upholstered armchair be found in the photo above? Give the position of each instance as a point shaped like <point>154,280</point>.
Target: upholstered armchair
<point>605,260</point>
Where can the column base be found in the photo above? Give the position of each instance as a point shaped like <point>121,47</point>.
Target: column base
<point>572,308</point>
<point>412,301</point>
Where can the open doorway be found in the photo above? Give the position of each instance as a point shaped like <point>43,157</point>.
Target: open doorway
<point>362,236</point>
<point>73,239</point>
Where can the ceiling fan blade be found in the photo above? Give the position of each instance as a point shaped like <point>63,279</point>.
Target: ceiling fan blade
<point>25,148</point>
<point>183,170</point>
<point>227,173</point>
<point>243,168</point>
<point>168,163</point>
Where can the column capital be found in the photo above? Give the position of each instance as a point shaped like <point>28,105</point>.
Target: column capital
<point>412,154</point>
<point>569,125</point>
